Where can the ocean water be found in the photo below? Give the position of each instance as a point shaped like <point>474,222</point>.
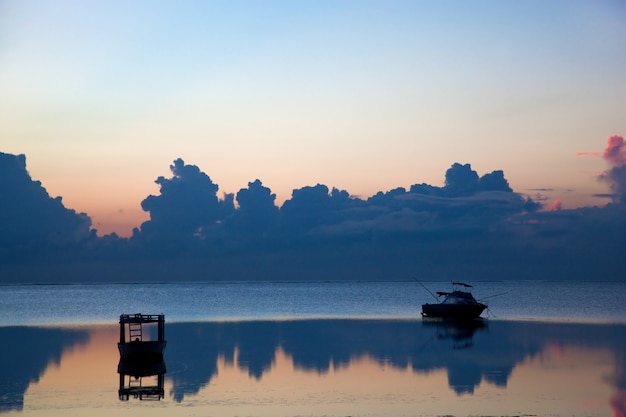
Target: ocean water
<point>235,301</point>
<point>316,349</point>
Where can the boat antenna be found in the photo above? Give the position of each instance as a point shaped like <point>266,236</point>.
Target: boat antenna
<point>424,286</point>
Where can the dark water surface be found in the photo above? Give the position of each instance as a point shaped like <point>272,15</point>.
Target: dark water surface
<point>317,349</point>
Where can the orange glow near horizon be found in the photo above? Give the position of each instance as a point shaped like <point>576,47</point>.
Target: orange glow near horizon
<point>112,196</point>
<point>121,222</point>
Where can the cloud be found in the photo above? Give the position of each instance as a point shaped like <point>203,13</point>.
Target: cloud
<point>615,154</point>
<point>618,404</point>
<point>588,154</point>
<point>466,203</point>
<point>616,178</point>
<point>555,206</point>
<point>494,181</point>
<point>461,180</point>
<point>257,213</point>
<point>187,203</point>
<point>474,224</point>
<point>31,220</point>
<point>311,207</point>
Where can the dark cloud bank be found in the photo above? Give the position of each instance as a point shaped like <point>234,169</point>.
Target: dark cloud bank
<point>473,228</point>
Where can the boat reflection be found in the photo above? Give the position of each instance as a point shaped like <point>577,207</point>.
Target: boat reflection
<point>141,379</point>
<point>461,332</point>
<point>141,367</point>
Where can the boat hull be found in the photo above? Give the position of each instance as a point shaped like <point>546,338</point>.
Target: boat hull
<point>453,311</point>
<point>136,349</point>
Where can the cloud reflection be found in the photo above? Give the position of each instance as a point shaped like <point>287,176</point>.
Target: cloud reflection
<point>228,364</point>
<point>469,355</point>
<point>25,354</point>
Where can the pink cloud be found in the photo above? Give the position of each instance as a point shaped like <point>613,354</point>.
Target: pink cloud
<point>618,404</point>
<point>556,205</point>
<point>615,152</point>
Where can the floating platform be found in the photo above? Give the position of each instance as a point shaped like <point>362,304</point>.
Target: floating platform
<point>133,345</point>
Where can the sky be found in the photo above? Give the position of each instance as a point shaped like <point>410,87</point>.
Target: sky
<point>365,96</point>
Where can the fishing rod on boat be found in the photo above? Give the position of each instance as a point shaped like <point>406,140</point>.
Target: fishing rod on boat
<point>495,295</point>
<point>424,286</point>
<point>490,313</point>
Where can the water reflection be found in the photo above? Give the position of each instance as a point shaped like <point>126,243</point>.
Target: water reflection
<point>461,332</point>
<point>141,379</point>
<point>470,354</point>
<point>329,367</point>
<point>25,354</point>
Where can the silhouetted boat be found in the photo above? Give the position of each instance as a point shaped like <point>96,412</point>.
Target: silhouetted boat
<point>132,344</point>
<point>459,304</point>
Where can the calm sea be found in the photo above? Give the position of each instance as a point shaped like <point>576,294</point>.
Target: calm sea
<point>233,301</point>
<point>315,349</point>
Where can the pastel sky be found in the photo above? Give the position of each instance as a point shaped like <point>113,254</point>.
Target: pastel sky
<point>366,96</point>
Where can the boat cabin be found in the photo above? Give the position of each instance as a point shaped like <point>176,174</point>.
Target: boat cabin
<point>135,342</point>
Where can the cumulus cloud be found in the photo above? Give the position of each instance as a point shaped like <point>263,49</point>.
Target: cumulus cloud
<point>187,203</point>
<point>461,180</point>
<point>615,152</point>
<point>471,223</point>
<point>467,202</point>
<point>616,178</point>
<point>29,217</point>
<point>314,206</point>
<point>494,181</point>
<point>615,155</point>
<point>257,213</point>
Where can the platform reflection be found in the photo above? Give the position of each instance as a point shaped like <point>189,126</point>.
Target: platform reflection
<point>141,379</point>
